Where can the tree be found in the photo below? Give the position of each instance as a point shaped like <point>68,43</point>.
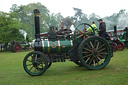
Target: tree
<point>94,17</point>
<point>54,19</point>
<point>78,13</point>
<point>26,16</point>
<point>77,18</point>
<point>9,28</point>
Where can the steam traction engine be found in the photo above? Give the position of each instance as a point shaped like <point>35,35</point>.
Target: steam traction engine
<point>120,45</point>
<point>18,46</point>
<point>90,52</point>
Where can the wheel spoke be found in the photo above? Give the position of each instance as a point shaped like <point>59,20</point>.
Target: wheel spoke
<point>31,68</point>
<point>97,61</point>
<point>97,46</point>
<point>80,31</point>
<point>102,56</point>
<point>80,36</point>
<point>29,64</point>
<point>101,49</point>
<point>91,44</point>
<point>88,46</point>
<point>87,49</point>
<point>100,59</point>
<point>29,60</point>
<point>87,55</point>
<point>91,60</point>
<point>101,46</point>
<point>36,58</point>
<point>104,53</point>
<point>87,59</point>
<point>85,52</point>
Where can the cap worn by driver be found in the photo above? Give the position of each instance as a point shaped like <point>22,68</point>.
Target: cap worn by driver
<point>99,20</point>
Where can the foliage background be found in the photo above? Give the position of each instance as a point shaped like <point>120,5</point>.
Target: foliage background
<point>21,17</point>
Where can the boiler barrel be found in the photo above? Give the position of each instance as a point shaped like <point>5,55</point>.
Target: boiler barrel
<point>60,46</point>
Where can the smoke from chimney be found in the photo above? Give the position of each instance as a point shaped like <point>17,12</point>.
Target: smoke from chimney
<point>24,33</point>
<point>123,20</point>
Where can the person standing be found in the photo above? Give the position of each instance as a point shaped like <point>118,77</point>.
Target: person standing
<point>102,28</point>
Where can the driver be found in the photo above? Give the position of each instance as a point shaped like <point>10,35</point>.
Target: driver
<point>90,30</point>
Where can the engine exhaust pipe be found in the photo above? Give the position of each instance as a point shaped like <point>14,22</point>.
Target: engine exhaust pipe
<point>126,29</point>
<point>37,23</point>
<point>115,30</point>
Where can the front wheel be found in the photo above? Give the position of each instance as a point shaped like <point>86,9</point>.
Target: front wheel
<point>35,63</point>
<point>94,53</point>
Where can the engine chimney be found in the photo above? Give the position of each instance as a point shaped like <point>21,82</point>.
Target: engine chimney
<point>126,33</point>
<point>37,23</point>
<point>115,30</point>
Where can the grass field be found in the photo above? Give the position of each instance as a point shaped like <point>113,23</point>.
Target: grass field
<point>66,73</point>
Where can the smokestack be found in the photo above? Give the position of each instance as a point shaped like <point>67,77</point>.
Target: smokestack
<point>37,23</point>
<point>126,33</point>
<point>115,30</point>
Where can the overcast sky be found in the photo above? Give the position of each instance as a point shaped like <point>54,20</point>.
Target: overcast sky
<point>65,7</point>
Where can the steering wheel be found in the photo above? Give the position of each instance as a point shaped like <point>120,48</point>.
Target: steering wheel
<point>78,33</point>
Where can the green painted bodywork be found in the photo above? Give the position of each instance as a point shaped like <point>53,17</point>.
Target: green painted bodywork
<point>122,40</point>
<point>60,46</point>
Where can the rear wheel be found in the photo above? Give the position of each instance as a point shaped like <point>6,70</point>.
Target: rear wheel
<point>35,63</point>
<point>94,53</point>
